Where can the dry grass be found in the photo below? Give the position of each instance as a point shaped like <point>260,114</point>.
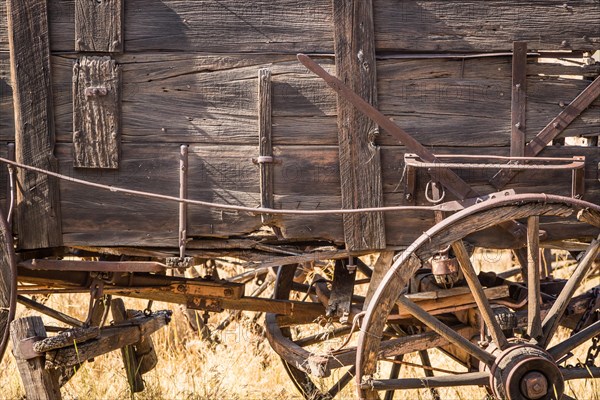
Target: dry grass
<point>242,366</point>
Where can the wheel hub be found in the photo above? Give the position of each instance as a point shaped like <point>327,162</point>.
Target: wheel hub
<point>526,372</point>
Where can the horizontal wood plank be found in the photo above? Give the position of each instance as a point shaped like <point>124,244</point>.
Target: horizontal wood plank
<point>212,99</point>
<point>306,26</point>
<point>307,177</point>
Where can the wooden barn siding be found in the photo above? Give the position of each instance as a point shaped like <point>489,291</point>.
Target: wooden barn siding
<point>212,99</point>
<point>290,26</point>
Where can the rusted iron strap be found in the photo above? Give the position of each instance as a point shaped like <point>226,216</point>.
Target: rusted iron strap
<point>445,176</point>
<point>553,129</point>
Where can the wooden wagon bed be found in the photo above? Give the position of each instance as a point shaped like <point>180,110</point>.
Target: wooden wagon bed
<point>188,73</point>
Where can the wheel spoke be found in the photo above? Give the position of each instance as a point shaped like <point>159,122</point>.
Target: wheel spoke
<point>569,344</point>
<point>445,331</point>
<point>395,371</point>
<point>341,384</point>
<point>534,322</point>
<point>428,372</point>
<point>580,373</point>
<point>482,302</point>
<point>553,317</point>
<point>467,379</point>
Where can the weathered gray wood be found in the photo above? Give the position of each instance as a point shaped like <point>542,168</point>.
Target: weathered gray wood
<point>98,26</point>
<point>96,113</point>
<point>518,109</point>
<point>181,98</point>
<point>39,382</point>
<point>295,26</point>
<point>306,178</point>
<point>265,144</point>
<point>38,211</point>
<point>441,25</point>
<point>359,158</point>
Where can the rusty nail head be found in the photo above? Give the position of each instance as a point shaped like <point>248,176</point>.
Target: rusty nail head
<point>181,288</point>
<point>228,292</point>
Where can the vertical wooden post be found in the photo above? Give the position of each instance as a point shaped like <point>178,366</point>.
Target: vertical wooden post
<point>360,166</point>
<point>130,359</point>
<point>265,146</point>
<point>519,99</point>
<point>39,383</point>
<point>38,212</point>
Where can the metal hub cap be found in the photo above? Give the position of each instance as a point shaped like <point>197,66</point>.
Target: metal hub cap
<point>526,372</point>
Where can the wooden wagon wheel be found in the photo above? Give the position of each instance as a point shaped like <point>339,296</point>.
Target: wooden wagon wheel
<point>310,352</point>
<point>520,367</point>
<point>8,282</point>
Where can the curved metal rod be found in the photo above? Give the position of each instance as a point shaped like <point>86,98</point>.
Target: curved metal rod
<point>8,255</point>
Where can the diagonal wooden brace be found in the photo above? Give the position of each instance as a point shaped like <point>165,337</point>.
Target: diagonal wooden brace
<point>552,130</point>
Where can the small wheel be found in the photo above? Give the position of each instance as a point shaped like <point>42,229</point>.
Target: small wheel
<point>8,282</point>
<point>514,362</point>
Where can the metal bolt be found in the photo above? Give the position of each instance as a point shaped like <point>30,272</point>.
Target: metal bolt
<point>518,125</point>
<point>556,125</point>
<point>518,86</point>
<point>564,43</point>
<point>228,292</point>
<point>181,288</point>
<point>534,385</point>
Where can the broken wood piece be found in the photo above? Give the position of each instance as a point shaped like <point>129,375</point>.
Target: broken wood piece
<point>66,338</point>
<point>111,338</point>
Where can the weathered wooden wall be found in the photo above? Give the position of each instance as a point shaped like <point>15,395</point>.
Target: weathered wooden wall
<point>189,73</point>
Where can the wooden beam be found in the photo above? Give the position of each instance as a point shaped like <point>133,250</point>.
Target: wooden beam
<point>99,26</point>
<point>38,212</point>
<point>518,110</point>
<point>265,147</point>
<point>360,165</point>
